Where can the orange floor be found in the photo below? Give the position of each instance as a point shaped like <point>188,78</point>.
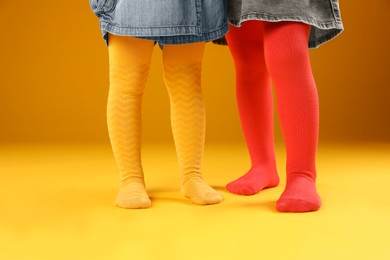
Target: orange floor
<point>56,202</point>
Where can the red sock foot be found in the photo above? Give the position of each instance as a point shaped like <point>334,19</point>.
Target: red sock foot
<point>300,195</point>
<point>254,181</point>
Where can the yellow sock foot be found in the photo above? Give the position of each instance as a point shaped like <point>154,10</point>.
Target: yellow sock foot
<point>133,196</point>
<point>200,192</point>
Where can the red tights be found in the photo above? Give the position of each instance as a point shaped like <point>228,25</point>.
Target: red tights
<point>263,51</point>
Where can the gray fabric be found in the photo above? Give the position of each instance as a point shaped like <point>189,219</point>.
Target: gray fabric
<point>323,15</point>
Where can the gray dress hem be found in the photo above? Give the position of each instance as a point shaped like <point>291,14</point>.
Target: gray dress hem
<point>334,28</point>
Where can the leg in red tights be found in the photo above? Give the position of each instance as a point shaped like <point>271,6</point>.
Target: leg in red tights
<point>288,63</point>
<point>284,45</point>
<point>254,98</point>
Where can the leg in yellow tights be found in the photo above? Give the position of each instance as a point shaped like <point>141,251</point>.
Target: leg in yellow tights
<point>182,74</point>
<point>129,60</point>
<point>129,65</point>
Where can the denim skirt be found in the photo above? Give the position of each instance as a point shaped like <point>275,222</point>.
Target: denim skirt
<point>323,15</point>
<point>164,21</point>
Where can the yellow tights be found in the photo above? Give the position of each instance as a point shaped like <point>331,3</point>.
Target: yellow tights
<point>129,65</point>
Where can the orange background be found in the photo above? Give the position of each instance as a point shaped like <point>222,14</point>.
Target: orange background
<point>54,78</point>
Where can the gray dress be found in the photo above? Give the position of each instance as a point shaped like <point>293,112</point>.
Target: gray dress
<point>323,15</point>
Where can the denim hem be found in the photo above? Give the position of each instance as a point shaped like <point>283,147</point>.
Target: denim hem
<point>334,27</point>
<point>336,11</point>
<point>330,36</point>
<point>164,35</point>
<point>148,31</point>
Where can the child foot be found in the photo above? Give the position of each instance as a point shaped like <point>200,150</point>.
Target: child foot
<point>300,195</point>
<point>133,196</point>
<point>200,192</point>
<point>257,179</point>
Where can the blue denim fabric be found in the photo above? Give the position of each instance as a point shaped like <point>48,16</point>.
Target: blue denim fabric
<point>323,15</point>
<point>164,21</point>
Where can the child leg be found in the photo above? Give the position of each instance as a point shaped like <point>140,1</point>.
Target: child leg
<point>182,74</point>
<point>288,63</point>
<point>129,60</point>
<point>255,105</point>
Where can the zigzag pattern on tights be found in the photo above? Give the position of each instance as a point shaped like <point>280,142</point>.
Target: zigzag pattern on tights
<point>187,115</point>
<point>124,125</point>
<point>188,127</point>
<point>124,122</point>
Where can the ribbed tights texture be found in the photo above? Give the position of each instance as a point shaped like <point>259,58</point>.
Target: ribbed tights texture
<point>265,51</point>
